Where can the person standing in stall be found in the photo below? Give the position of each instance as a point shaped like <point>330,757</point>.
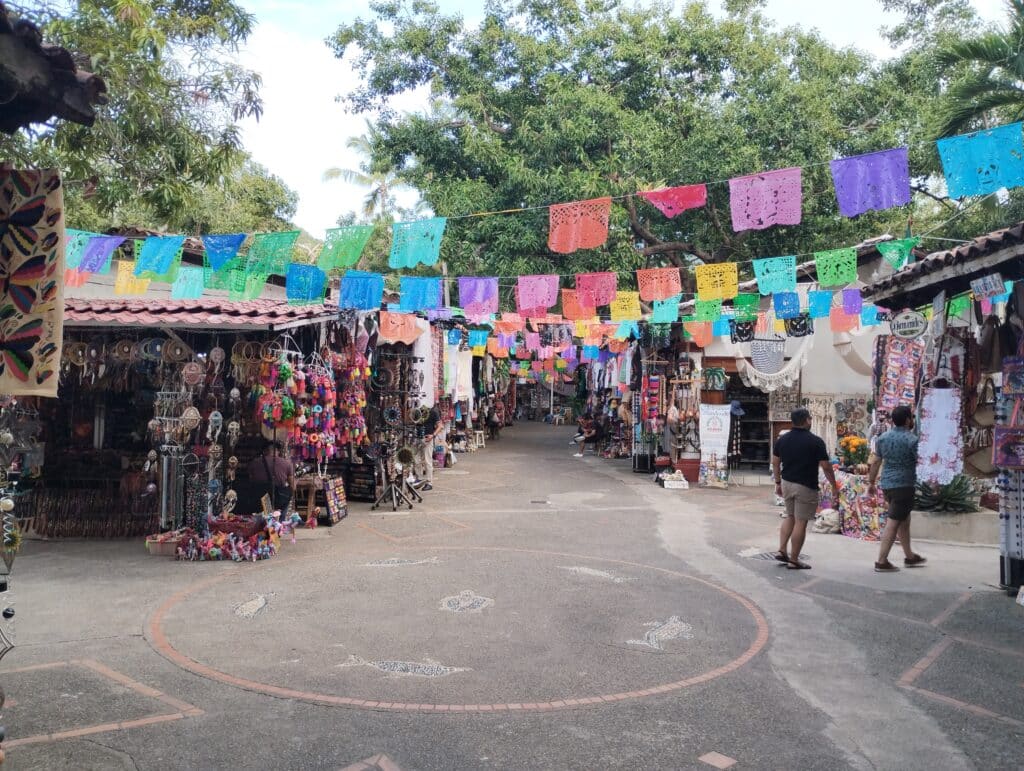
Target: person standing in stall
<point>797,456</point>
<point>896,455</point>
<point>435,429</point>
<point>277,473</point>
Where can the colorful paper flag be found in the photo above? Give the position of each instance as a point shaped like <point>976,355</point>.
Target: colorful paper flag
<point>343,247</point>
<point>419,293</point>
<point>188,284</point>
<point>417,242</point>
<point>658,283</point>
<point>718,281</point>
<point>673,201</point>
<point>786,305</point>
<point>222,249</point>
<point>626,307</point>
<point>775,274</point>
<point>983,161</point>
<point>874,181</point>
<point>759,201</point>
<point>836,267</point>
<point>578,225</point>
<point>897,253</point>
<point>666,311</point>
<point>305,284</point>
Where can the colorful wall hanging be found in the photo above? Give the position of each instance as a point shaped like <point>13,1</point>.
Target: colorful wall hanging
<point>417,242</point>
<point>188,284</point>
<point>305,284</point>
<point>716,282</point>
<point>874,181</point>
<point>419,293</point>
<point>361,290</point>
<point>673,201</point>
<point>760,201</point>
<point>578,225</point>
<point>478,295</point>
<point>343,247</point>
<point>658,283</point>
<point>32,242</point>
<point>900,365</point>
<point>983,161</point>
<point>940,447</point>
<point>221,249</point>
<point>836,267</point>
<point>626,307</point>
<point>775,274</point>
<point>897,253</point>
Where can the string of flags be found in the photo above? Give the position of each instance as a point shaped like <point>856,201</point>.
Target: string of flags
<point>977,163</point>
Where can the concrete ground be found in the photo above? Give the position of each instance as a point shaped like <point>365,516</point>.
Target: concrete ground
<point>539,611</point>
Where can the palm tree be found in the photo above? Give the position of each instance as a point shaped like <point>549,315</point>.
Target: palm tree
<point>996,80</point>
<point>379,202</point>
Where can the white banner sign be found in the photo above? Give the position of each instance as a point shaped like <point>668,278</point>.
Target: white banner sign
<point>714,431</point>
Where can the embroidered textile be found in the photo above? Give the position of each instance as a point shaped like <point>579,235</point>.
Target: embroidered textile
<point>666,311</point>
<point>819,304</point>
<point>596,289</point>
<point>578,225</point>
<point>717,282</point>
<point>760,201</point>
<point>852,302</point>
<point>900,366</point>
<point>775,274</point>
<point>626,307</point>
<point>343,247</point>
<point>836,267</point>
<point>361,290</point>
<point>940,448</point>
<point>188,284</point>
<point>786,305</point>
<point>32,244</point>
<point>419,293</point>
<point>673,201</point>
<point>897,253</point>
<point>222,249</point>
<point>874,181</point>
<point>658,283</point>
<point>305,284</point>
<point>416,242</point>
<point>983,161</point>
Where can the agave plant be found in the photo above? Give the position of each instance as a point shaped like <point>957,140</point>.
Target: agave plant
<point>955,497</point>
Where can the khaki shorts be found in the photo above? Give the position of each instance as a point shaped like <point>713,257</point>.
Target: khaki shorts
<point>801,502</point>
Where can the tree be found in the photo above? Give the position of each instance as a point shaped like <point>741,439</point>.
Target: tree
<point>994,86</point>
<point>564,100</point>
<point>175,98</point>
<point>382,182</point>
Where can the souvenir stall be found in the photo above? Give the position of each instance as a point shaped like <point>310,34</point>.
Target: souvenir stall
<point>159,402</point>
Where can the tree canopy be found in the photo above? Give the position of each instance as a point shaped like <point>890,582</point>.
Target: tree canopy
<point>550,101</point>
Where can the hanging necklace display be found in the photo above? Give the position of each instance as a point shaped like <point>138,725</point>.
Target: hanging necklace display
<point>234,429</point>
<point>214,425</point>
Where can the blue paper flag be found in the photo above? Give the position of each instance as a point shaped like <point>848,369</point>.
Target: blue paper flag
<point>819,304</point>
<point>869,316</point>
<point>222,249</point>
<point>627,328</point>
<point>157,255</point>
<point>590,352</point>
<point>188,284</point>
<point>97,253</point>
<point>775,274</point>
<point>787,305</point>
<point>75,246</point>
<point>304,284</point>
<point>666,311</point>
<point>361,290</point>
<point>416,242</point>
<point>420,293</point>
<point>454,337</point>
<point>720,327</point>
<point>478,337</point>
<point>983,161</point>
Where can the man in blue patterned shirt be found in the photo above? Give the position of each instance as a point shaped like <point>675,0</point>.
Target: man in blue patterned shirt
<point>896,454</point>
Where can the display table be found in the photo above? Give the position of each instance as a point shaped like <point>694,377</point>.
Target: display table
<point>860,514</point>
<point>334,501</point>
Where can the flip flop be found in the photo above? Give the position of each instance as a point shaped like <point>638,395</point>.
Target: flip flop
<point>782,557</point>
<point>798,566</point>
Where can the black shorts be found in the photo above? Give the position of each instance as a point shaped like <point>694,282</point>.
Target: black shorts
<point>901,502</point>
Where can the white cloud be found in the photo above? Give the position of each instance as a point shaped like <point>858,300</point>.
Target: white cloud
<point>303,129</point>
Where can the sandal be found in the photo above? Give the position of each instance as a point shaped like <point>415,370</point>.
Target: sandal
<point>797,565</point>
<point>782,557</point>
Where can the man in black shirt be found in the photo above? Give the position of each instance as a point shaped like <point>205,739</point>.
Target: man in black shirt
<point>800,454</point>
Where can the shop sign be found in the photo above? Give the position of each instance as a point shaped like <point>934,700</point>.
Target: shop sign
<point>908,325</point>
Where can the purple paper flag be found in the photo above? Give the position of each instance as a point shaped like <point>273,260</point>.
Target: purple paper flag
<point>97,252</point>
<point>873,181</point>
<point>852,302</point>
<point>478,295</point>
<point>762,200</point>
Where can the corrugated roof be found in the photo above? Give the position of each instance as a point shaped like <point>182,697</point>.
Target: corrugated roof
<point>203,313</point>
<point>953,266</point>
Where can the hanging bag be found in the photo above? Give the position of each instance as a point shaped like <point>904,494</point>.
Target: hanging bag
<point>985,408</point>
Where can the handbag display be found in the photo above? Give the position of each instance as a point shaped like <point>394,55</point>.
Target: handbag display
<point>984,415</point>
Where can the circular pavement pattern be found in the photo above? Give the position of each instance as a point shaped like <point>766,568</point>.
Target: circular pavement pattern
<point>458,629</point>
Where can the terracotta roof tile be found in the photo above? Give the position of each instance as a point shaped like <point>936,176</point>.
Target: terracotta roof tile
<point>205,312</point>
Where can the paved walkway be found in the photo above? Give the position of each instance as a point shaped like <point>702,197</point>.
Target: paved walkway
<point>539,611</point>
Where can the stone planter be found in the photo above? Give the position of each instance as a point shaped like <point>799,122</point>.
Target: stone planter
<point>978,527</point>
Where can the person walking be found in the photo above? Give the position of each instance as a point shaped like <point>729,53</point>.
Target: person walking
<point>796,458</point>
<point>896,455</point>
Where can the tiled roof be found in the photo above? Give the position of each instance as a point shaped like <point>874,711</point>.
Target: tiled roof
<point>204,313</point>
<point>952,266</point>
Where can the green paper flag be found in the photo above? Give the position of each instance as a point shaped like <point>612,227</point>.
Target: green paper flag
<point>172,272</point>
<point>707,310</point>
<point>958,305</point>
<point>271,253</point>
<point>836,267</point>
<point>745,306</point>
<point>343,247</point>
<point>897,253</point>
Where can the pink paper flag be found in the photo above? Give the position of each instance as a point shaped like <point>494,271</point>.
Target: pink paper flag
<point>760,201</point>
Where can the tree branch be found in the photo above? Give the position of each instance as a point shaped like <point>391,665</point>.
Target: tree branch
<point>655,245</point>
<point>944,201</point>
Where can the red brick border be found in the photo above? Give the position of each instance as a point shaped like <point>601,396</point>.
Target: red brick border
<point>157,638</point>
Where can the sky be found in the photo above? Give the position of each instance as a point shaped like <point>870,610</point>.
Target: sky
<point>303,129</point>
